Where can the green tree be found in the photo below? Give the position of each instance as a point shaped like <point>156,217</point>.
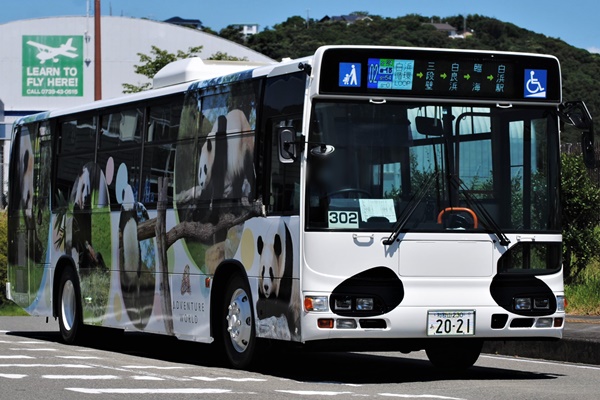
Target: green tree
<point>580,200</point>
<point>151,64</point>
<point>233,33</point>
<point>220,56</point>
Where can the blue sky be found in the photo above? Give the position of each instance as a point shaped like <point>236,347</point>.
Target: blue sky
<point>575,22</point>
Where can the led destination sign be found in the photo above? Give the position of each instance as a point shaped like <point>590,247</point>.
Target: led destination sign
<point>428,73</point>
<point>440,76</point>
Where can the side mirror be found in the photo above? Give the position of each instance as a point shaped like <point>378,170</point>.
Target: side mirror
<point>587,149</point>
<point>287,145</point>
<point>577,114</point>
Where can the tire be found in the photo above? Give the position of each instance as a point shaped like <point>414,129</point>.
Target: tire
<point>454,355</point>
<point>237,330</point>
<point>69,307</point>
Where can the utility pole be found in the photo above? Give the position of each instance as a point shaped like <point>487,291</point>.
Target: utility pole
<point>97,52</point>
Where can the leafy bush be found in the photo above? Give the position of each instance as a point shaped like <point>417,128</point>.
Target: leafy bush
<point>580,200</point>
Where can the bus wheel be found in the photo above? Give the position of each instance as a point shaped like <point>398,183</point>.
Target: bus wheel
<point>69,311</point>
<point>453,355</point>
<point>238,331</point>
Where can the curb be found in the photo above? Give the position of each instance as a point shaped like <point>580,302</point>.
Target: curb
<point>582,351</point>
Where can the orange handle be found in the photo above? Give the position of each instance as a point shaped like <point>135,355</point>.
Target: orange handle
<point>465,209</point>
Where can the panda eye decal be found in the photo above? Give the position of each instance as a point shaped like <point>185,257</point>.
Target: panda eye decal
<point>277,245</point>
<point>259,245</point>
<point>25,160</point>
<point>205,169</point>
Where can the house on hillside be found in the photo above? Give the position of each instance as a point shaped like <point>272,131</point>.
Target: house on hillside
<point>446,28</point>
<point>189,23</point>
<point>348,19</point>
<point>451,31</point>
<point>247,29</point>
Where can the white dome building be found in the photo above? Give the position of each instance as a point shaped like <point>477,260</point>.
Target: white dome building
<point>48,63</point>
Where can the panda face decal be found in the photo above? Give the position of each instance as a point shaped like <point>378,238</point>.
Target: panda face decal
<point>271,266</point>
<point>83,188</point>
<point>206,161</point>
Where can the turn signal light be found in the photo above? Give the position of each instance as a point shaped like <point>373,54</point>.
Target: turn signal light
<point>325,323</point>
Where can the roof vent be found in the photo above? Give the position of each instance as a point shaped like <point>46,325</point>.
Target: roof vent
<point>195,69</point>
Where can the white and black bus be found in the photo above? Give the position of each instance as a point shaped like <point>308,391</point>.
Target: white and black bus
<point>402,197</point>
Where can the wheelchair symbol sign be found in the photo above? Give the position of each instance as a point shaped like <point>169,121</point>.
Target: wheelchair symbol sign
<point>535,83</point>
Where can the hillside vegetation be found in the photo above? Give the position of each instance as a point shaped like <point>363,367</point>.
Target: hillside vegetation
<point>296,38</point>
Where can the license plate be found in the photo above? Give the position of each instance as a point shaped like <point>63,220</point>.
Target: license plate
<point>451,323</point>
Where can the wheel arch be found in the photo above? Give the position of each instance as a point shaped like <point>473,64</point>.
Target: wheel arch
<point>225,270</point>
<point>62,264</point>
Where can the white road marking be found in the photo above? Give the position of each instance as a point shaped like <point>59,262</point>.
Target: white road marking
<point>149,367</point>
<point>532,361</point>
<point>85,377</point>
<point>147,378</point>
<point>224,378</point>
<point>16,357</point>
<point>149,391</point>
<point>418,396</point>
<point>314,393</point>
<point>23,341</point>
<point>31,342</point>
<point>45,365</point>
<point>80,357</point>
<point>12,376</point>
<point>26,349</point>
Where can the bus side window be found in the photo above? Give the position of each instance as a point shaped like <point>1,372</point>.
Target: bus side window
<point>77,148</point>
<point>162,140</point>
<point>119,152</point>
<point>283,106</point>
<point>285,177</point>
<point>159,162</point>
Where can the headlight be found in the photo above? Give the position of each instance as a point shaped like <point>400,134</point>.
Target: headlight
<point>344,303</point>
<point>316,303</point>
<point>522,303</point>
<point>561,303</point>
<point>541,304</point>
<point>364,304</point>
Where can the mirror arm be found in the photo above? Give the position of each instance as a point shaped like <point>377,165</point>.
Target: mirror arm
<point>286,148</point>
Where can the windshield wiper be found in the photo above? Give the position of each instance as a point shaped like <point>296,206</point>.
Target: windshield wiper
<point>410,209</point>
<point>473,203</point>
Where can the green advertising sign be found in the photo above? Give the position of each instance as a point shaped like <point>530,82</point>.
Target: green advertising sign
<point>52,66</point>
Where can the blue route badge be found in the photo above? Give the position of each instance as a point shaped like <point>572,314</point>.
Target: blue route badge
<point>349,75</point>
<point>535,83</point>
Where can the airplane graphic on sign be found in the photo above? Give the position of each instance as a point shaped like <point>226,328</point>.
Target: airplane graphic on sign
<point>51,53</point>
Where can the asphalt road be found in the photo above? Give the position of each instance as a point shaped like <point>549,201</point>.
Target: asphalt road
<point>34,364</point>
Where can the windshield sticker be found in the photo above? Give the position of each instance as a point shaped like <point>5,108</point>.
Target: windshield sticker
<point>370,208</point>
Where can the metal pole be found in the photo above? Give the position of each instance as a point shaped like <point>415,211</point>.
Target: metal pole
<point>97,52</point>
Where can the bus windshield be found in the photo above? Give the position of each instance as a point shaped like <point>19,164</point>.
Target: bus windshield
<point>432,167</point>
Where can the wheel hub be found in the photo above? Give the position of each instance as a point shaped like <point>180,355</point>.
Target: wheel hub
<point>239,320</point>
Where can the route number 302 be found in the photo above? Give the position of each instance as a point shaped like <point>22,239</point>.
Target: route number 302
<point>343,219</point>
